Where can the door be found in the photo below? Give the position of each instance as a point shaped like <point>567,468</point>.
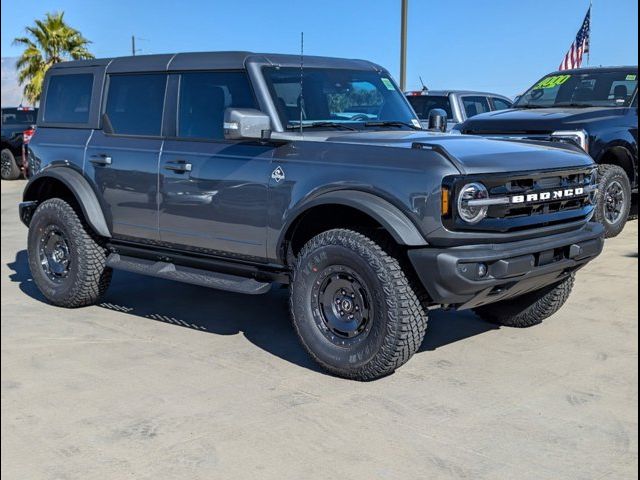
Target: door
<point>213,192</point>
<point>123,162</point>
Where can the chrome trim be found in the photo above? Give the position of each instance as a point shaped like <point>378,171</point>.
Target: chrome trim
<point>485,202</point>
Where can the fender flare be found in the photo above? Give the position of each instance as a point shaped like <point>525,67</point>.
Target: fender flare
<point>81,190</point>
<point>401,228</point>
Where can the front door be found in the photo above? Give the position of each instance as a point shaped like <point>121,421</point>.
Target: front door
<point>213,192</point>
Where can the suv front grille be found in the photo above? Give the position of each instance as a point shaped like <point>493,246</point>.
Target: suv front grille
<point>510,217</point>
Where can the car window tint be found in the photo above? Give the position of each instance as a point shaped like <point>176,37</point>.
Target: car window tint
<point>135,103</point>
<point>475,105</point>
<point>68,98</point>
<point>423,104</point>
<point>204,98</point>
<point>501,104</point>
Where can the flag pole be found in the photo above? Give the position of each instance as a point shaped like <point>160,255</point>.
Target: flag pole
<point>590,24</point>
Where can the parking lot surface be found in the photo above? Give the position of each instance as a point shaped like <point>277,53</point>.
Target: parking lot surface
<point>170,381</point>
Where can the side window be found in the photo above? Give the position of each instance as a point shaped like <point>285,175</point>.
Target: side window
<point>68,98</point>
<point>475,105</point>
<point>135,103</point>
<point>204,96</point>
<point>500,104</point>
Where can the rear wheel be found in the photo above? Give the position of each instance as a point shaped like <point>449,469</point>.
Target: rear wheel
<point>67,262</point>
<point>529,309</point>
<point>614,199</point>
<point>8,165</point>
<point>353,307</point>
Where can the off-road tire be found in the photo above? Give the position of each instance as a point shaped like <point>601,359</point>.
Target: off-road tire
<point>10,169</point>
<point>397,325</point>
<point>529,309</point>
<point>607,174</point>
<point>88,277</point>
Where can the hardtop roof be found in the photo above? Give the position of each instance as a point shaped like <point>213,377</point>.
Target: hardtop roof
<point>211,60</point>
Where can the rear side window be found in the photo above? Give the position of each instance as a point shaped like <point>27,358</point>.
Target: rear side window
<point>204,98</point>
<point>475,105</point>
<point>68,98</point>
<point>135,103</point>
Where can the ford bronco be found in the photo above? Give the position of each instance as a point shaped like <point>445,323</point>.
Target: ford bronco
<point>236,170</point>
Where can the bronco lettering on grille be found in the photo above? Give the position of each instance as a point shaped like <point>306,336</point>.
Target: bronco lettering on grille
<point>552,195</point>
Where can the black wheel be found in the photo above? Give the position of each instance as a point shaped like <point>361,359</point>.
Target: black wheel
<point>353,307</point>
<point>8,165</point>
<point>66,260</point>
<point>529,309</point>
<point>614,199</point>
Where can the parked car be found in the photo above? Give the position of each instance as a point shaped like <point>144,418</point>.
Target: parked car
<point>234,170</point>
<point>595,108</point>
<point>459,104</point>
<point>15,121</point>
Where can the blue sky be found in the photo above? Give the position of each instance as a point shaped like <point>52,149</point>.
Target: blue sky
<point>496,45</point>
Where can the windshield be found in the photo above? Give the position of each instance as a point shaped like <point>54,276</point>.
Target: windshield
<point>423,104</point>
<point>13,116</point>
<point>351,98</point>
<point>597,89</point>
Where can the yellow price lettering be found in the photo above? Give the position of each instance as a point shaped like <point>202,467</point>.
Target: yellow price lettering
<point>550,82</point>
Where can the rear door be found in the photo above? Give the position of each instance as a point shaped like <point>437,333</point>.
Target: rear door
<point>213,192</point>
<point>122,158</point>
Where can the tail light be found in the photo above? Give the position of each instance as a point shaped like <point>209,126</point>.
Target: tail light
<point>27,134</point>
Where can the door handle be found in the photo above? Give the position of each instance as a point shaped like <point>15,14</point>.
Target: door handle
<point>101,159</point>
<point>179,166</point>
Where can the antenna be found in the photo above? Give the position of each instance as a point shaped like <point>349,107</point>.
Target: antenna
<point>301,78</point>
<point>424,87</point>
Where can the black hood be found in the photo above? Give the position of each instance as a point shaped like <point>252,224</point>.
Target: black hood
<point>539,120</point>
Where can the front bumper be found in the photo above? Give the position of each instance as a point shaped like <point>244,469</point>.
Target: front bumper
<point>451,275</point>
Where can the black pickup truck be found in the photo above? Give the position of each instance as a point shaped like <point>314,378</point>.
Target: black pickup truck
<point>236,170</point>
<point>595,108</point>
<point>15,121</point>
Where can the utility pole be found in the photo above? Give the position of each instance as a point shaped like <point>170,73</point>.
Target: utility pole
<point>133,45</point>
<point>403,44</point>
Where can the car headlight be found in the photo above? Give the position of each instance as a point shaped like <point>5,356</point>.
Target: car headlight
<point>579,137</point>
<point>472,193</point>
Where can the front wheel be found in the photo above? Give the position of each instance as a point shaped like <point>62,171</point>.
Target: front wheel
<point>614,199</point>
<point>528,309</point>
<point>353,307</point>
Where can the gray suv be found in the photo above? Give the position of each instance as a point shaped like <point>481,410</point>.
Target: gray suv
<point>457,104</point>
<point>236,170</point>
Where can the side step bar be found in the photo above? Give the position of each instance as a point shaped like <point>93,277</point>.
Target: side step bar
<point>195,276</point>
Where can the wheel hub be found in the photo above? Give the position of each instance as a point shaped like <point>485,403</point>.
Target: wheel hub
<point>343,309</point>
<point>53,251</point>
<point>614,202</point>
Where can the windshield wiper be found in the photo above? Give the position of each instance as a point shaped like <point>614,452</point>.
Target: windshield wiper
<point>528,105</point>
<point>575,105</point>
<point>391,123</point>
<point>322,125</point>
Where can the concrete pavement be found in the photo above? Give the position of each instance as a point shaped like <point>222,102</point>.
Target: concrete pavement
<point>172,381</point>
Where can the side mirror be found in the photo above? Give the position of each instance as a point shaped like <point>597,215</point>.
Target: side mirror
<point>437,120</point>
<point>246,123</point>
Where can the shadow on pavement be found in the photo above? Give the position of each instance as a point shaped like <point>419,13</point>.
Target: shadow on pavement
<point>263,319</point>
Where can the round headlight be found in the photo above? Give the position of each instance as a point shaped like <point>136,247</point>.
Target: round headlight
<point>472,213</point>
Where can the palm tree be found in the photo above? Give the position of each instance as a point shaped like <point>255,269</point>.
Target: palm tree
<point>50,41</point>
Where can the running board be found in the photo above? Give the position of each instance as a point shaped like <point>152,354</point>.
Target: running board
<point>195,276</point>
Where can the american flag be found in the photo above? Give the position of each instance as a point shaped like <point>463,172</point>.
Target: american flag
<point>580,46</point>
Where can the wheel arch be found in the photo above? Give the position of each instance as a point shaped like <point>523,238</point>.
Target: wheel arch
<point>619,154</point>
<point>358,209</point>
<point>61,181</point>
